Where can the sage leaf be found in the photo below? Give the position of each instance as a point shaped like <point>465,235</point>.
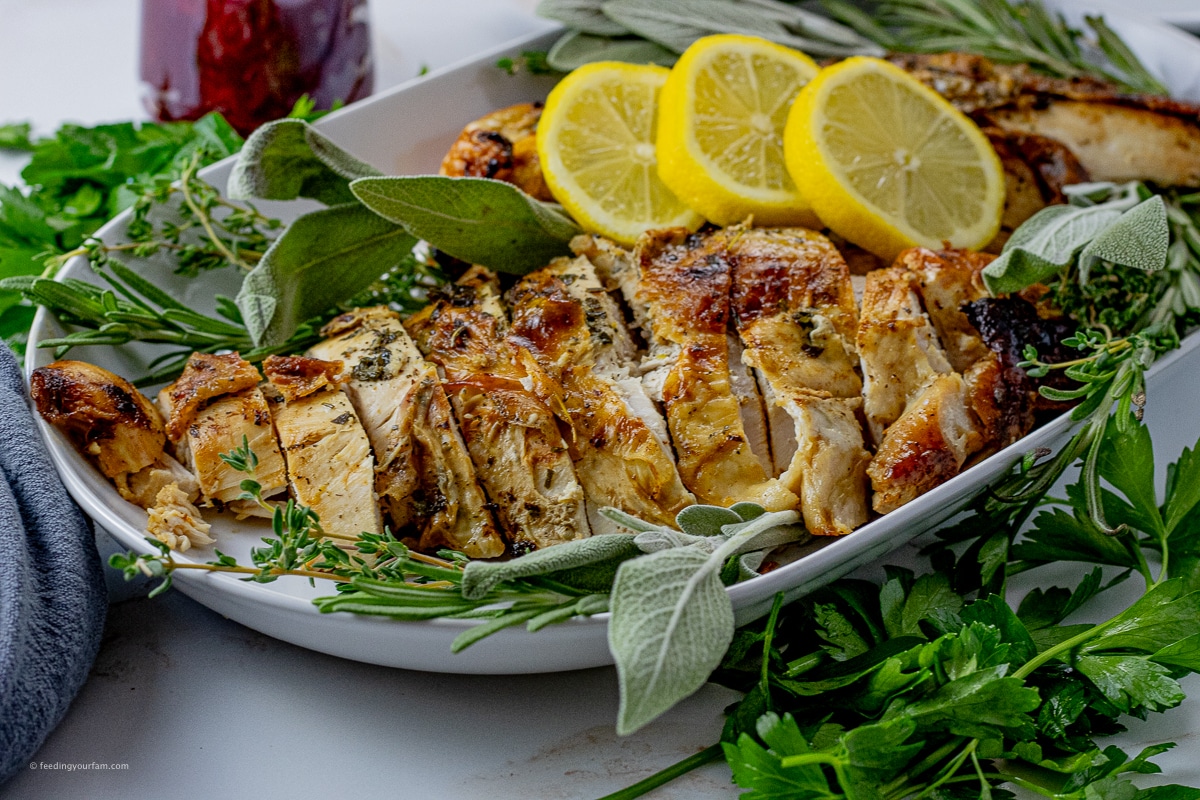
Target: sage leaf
<point>1045,244</point>
<point>806,22</point>
<point>1138,238</point>
<point>574,49</point>
<point>665,539</point>
<point>288,158</point>
<point>676,24</point>
<point>478,220</point>
<point>322,259</point>
<point>582,15</point>
<point>480,577</point>
<point>628,521</point>
<point>671,623</point>
<point>672,620</point>
<point>700,520</point>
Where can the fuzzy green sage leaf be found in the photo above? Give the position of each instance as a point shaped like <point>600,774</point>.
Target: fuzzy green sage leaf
<point>480,577</point>
<point>478,220</point>
<point>672,619</point>
<point>324,258</point>
<point>289,158</point>
<point>1045,244</point>
<point>1138,239</point>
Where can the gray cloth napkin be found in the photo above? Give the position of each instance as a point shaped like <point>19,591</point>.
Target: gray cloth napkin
<point>52,598</point>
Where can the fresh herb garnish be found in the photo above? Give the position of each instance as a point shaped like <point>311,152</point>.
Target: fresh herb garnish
<point>531,61</point>
<point>477,220</point>
<point>1005,31</point>
<point>918,687</point>
<point>81,177</point>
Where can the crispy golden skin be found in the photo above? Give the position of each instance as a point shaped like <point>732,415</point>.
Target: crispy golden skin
<point>423,471</point>
<point>503,146</point>
<point>568,324</point>
<point>513,436</point>
<point>107,420</point>
<point>121,431</point>
<point>204,378</point>
<point>685,285</point>
<point>796,317</point>
<point>925,447</point>
<point>328,457</point>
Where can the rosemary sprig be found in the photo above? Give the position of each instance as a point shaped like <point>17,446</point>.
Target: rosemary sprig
<point>133,309</point>
<point>1004,31</point>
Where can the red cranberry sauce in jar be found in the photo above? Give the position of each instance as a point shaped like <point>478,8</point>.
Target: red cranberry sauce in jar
<point>252,59</point>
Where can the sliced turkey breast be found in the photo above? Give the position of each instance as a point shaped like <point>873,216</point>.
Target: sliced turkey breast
<point>684,286</point>
<point>424,474</point>
<point>898,347</point>
<point>795,313</point>
<point>514,439</point>
<point>572,329</point>
<point>328,457</point>
<point>213,408</point>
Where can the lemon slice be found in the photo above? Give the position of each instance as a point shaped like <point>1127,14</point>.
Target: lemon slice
<point>888,164</point>
<point>595,141</point>
<point>720,135</point>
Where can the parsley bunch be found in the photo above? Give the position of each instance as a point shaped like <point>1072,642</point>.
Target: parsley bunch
<point>81,177</point>
<point>934,686</point>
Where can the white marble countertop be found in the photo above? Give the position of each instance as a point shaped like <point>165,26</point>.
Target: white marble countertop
<point>182,702</point>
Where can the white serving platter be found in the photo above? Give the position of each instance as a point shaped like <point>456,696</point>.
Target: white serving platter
<point>406,131</point>
<point>1184,13</point>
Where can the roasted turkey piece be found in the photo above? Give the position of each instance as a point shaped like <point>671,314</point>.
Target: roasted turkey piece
<point>684,288</point>
<point>796,316</point>
<point>212,408</point>
<point>513,436</point>
<point>752,344</point>
<point>325,448</point>
<point>121,431</point>
<point>423,472</point>
<point>1115,136</point>
<point>502,146</point>
<point>574,332</point>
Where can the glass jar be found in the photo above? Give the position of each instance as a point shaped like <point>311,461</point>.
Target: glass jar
<point>252,59</point>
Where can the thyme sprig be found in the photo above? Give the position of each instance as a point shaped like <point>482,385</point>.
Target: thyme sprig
<point>204,231</point>
<point>1121,334</point>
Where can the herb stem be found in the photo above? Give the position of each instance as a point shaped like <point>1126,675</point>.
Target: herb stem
<point>303,573</point>
<point>1060,648</point>
<point>705,756</point>
<point>203,217</point>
